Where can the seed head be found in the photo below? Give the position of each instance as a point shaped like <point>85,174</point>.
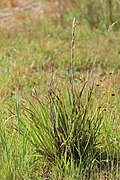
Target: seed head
<point>74,23</point>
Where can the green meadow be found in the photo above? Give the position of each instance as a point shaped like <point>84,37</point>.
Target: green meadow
<point>60,93</point>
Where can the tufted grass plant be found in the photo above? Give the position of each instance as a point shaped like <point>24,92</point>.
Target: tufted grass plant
<point>74,139</point>
<point>60,131</point>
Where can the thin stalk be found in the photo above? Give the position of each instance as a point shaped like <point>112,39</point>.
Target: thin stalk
<point>17,111</point>
<point>51,97</point>
<point>72,57</point>
<point>51,79</point>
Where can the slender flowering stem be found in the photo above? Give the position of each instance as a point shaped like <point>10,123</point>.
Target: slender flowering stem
<point>51,96</point>
<point>72,56</point>
<point>51,79</point>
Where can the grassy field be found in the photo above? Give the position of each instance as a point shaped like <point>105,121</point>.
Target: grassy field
<point>60,93</point>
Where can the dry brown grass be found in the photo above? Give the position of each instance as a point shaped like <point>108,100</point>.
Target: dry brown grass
<point>8,3</point>
<point>12,3</point>
<point>58,7</point>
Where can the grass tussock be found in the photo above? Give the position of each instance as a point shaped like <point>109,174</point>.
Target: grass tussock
<point>73,136</point>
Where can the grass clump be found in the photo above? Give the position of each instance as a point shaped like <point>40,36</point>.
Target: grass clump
<point>68,134</point>
<point>72,137</point>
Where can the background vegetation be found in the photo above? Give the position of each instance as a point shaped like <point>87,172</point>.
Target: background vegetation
<point>54,125</point>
